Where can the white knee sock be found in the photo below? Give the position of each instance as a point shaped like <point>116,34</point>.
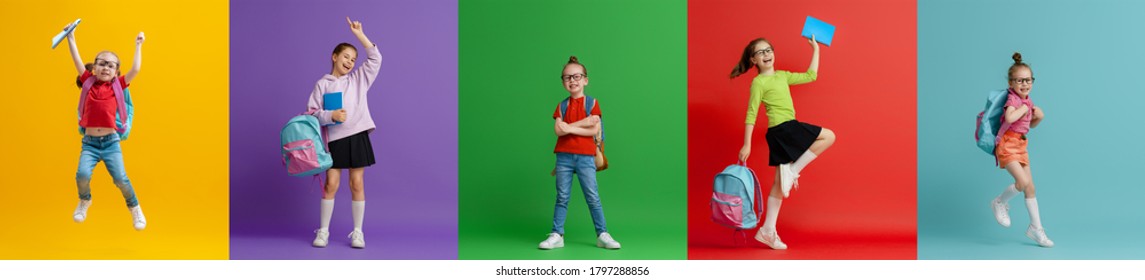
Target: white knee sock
<point>359,210</point>
<point>1032,206</point>
<point>803,161</point>
<point>1008,193</point>
<point>772,213</point>
<point>327,211</point>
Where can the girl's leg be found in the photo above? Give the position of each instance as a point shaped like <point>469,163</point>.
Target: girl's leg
<point>357,184</point>
<point>88,159</point>
<point>326,210</point>
<point>358,203</point>
<point>824,141</point>
<point>113,161</point>
<point>774,201</point>
<point>586,174</point>
<point>1001,204</point>
<point>767,233</point>
<point>1032,202</point>
<point>565,167</point>
<point>333,178</point>
<point>1022,180</point>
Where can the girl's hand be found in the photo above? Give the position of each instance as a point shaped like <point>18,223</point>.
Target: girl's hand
<point>339,115</point>
<point>814,44</point>
<point>593,120</point>
<point>1038,113</point>
<point>71,35</point>
<point>138,39</point>
<point>355,26</point>
<point>744,153</point>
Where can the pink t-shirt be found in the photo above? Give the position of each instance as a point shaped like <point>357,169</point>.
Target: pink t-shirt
<point>1022,125</point>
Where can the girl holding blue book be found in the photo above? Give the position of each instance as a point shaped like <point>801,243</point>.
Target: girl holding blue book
<point>348,129</point>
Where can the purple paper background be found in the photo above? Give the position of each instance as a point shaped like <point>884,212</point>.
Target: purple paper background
<point>279,49</point>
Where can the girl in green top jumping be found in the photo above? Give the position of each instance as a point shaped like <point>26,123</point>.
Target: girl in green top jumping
<point>792,144</point>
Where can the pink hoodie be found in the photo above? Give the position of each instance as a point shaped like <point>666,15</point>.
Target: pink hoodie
<point>353,87</point>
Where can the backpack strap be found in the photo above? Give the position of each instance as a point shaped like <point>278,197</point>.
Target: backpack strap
<point>564,108</point>
<point>121,104</point>
<point>590,103</point>
<point>1005,125</point>
<point>83,93</point>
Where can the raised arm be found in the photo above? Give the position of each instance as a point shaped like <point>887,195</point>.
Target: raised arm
<point>814,67</point>
<point>75,52</point>
<point>368,72</point>
<point>138,59</point>
<point>356,28</point>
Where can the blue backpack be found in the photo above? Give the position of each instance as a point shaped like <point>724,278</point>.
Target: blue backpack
<point>589,103</point>
<point>737,201</point>
<point>990,125</point>
<point>125,109</point>
<point>303,151</point>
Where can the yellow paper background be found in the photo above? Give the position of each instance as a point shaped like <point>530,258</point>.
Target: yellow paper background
<point>177,154</point>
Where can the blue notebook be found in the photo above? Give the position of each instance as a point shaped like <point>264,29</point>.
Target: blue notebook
<point>823,31</point>
<point>332,101</point>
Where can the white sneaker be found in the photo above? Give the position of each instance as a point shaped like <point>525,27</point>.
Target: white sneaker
<point>1001,212</point>
<point>137,218</point>
<point>357,239</point>
<point>786,178</point>
<point>554,241</point>
<point>771,239</point>
<point>605,241</point>
<point>321,238</point>
<point>81,211</point>
<point>1039,235</point>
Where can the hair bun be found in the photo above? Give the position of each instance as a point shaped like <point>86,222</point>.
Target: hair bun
<point>572,59</point>
<point>1017,58</point>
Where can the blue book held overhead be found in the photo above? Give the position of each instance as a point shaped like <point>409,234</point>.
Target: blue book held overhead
<point>332,101</point>
<point>823,31</point>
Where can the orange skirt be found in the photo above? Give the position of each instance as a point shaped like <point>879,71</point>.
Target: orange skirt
<point>1012,148</point>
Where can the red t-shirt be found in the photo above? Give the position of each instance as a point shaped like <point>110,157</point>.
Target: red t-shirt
<point>100,107</point>
<point>571,143</point>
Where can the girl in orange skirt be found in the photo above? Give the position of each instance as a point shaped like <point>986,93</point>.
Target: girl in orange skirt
<point>1011,152</point>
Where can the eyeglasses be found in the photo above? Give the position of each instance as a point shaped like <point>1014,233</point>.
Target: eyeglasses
<point>573,77</point>
<point>105,63</point>
<point>1029,80</point>
<point>763,51</point>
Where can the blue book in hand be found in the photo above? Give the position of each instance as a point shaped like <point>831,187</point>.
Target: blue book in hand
<point>823,31</point>
<point>332,101</point>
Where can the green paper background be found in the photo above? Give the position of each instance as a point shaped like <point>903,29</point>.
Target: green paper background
<point>511,57</point>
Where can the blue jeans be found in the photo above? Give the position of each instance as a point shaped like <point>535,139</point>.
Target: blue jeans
<point>106,149</point>
<point>585,168</point>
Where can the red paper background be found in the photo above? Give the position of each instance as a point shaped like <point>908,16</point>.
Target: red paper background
<point>856,201</point>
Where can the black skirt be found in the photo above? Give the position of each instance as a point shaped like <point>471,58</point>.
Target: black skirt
<point>352,152</point>
<point>788,140</point>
